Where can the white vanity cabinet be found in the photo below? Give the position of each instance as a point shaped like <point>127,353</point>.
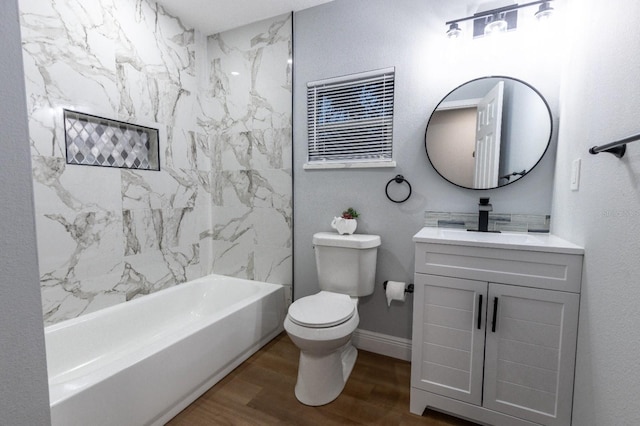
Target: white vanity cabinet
<point>494,326</point>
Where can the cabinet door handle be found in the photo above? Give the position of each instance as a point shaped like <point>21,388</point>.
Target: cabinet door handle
<point>495,314</point>
<point>479,311</point>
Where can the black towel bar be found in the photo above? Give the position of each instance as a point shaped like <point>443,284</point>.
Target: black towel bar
<point>617,148</point>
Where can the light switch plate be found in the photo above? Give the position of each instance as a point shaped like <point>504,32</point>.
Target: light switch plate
<point>575,175</point>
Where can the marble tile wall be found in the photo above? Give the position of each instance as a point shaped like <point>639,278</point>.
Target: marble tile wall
<point>249,99</point>
<point>222,199</point>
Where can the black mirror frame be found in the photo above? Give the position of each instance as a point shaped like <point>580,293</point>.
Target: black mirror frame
<point>546,104</point>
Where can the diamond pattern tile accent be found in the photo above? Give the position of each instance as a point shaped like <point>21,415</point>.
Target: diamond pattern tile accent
<point>97,141</point>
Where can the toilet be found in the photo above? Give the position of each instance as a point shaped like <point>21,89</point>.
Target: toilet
<point>321,325</point>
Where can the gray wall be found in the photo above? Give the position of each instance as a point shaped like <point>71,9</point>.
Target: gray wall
<point>348,36</point>
<point>24,397</point>
<point>600,104</point>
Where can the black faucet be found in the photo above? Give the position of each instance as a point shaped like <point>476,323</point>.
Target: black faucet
<point>483,217</point>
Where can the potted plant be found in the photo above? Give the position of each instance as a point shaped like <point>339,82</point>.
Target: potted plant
<point>346,223</point>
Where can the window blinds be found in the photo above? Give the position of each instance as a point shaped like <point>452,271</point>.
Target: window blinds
<point>350,119</point>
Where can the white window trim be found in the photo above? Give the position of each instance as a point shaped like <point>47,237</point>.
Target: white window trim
<point>351,163</point>
<point>316,165</point>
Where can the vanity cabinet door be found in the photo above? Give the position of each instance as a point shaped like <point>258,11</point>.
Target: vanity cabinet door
<point>530,353</point>
<point>448,336</point>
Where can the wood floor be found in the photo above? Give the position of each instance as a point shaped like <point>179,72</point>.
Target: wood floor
<point>260,392</point>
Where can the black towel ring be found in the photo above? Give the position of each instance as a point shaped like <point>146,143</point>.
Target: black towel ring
<point>397,179</point>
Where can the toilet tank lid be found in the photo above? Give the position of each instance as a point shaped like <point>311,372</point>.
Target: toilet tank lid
<point>356,241</point>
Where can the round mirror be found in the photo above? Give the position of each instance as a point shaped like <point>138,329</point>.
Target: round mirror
<point>488,132</point>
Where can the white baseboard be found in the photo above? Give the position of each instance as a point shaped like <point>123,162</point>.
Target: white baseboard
<point>383,344</point>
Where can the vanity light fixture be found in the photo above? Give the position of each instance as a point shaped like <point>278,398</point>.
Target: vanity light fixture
<point>496,24</point>
<point>544,11</point>
<point>454,31</point>
<point>498,20</point>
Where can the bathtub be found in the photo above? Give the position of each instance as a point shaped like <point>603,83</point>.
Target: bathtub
<point>143,361</point>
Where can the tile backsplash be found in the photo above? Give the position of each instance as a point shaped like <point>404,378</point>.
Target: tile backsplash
<point>497,221</point>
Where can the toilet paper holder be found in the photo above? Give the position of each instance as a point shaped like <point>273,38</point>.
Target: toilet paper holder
<point>408,289</point>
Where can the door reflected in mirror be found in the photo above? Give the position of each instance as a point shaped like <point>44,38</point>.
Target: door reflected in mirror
<point>488,132</point>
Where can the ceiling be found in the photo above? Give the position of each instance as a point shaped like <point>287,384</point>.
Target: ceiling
<point>214,16</point>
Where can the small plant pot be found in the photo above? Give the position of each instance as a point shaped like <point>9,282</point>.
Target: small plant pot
<point>344,226</point>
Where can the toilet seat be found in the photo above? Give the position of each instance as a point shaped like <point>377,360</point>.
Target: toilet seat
<point>322,310</point>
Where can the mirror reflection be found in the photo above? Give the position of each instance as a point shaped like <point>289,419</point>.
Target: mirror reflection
<point>488,132</point>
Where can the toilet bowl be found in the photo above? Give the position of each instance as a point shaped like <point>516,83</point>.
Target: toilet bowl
<point>321,325</point>
<point>324,339</point>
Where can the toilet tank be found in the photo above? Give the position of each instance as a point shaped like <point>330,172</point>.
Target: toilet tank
<point>346,263</point>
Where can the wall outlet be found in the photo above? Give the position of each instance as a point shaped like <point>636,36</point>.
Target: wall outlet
<point>575,175</point>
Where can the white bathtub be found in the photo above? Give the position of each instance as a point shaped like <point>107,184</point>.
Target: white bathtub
<point>143,361</point>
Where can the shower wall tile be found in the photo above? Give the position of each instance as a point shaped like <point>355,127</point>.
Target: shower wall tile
<point>104,300</point>
<point>56,245</point>
<point>254,188</point>
<point>159,269</point>
<point>80,257</point>
<point>93,237</point>
<point>75,246</point>
<point>251,150</point>
<point>60,187</point>
<point>234,258</point>
<point>187,150</point>
<point>148,190</point>
<point>244,259</point>
<point>271,227</point>
<point>142,231</point>
<point>264,226</point>
<point>256,245</point>
<point>63,65</point>
<point>272,264</point>
<point>257,149</point>
<point>249,91</point>
<point>221,201</point>
<point>59,303</point>
<point>107,235</point>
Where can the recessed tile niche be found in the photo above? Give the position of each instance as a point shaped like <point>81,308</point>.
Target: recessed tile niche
<point>97,141</point>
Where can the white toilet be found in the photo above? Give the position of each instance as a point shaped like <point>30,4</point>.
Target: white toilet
<point>321,325</point>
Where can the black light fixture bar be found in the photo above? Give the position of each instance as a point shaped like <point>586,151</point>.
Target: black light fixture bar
<point>497,11</point>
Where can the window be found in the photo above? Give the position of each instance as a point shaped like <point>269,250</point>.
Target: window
<point>350,121</point>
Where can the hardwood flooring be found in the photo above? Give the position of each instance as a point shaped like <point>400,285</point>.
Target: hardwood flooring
<point>260,392</point>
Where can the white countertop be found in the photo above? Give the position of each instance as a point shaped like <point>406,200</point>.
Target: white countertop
<point>504,240</point>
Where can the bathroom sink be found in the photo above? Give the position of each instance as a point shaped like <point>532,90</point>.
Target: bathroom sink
<point>510,240</point>
<point>495,237</point>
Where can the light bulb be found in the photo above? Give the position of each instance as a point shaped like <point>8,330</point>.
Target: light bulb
<point>495,27</point>
<point>454,31</point>
<point>544,12</point>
